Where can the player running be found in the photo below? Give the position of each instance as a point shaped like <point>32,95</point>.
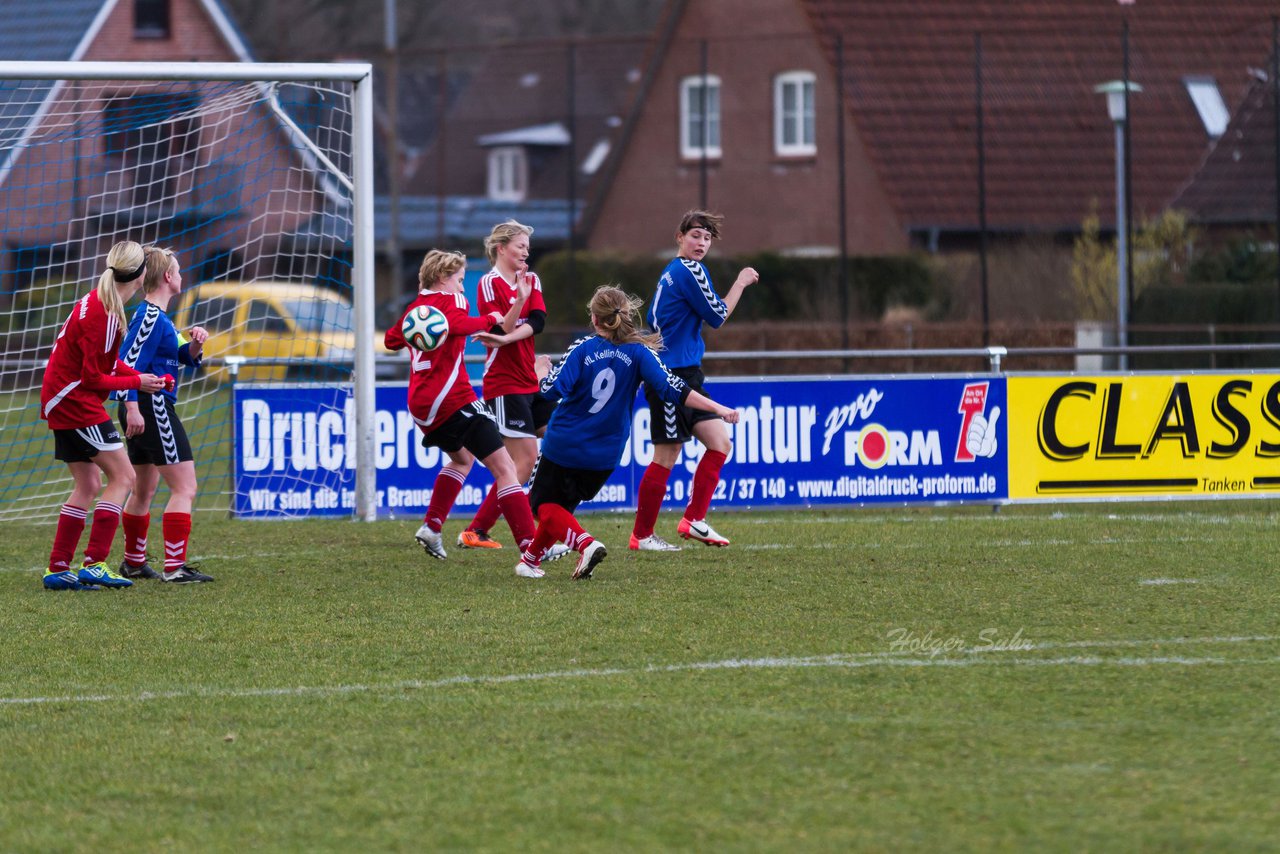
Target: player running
<point>596,383</point>
<point>684,300</point>
<point>83,369</point>
<point>446,409</point>
<point>157,441</point>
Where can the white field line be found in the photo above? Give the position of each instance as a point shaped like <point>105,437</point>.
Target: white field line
<point>967,519</point>
<point>971,657</point>
<point>1156,582</point>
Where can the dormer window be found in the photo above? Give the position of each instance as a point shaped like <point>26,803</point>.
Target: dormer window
<point>508,173</point>
<point>509,153</point>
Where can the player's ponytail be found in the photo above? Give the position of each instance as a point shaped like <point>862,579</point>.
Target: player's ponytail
<point>126,262</point>
<point>616,317</point>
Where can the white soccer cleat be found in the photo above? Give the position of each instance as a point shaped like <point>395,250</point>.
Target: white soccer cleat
<point>525,571</point>
<point>702,532</point>
<point>431,541</point>
<point>556,552</point>
<point>591,557</point>
<point>652,543</point>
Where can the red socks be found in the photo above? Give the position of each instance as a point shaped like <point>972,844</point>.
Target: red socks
<point>448,485</point>
<point>70,527</point>
<point>652,489</point>
<point>106,519</point>
<point>135,537</point>
<point>177,531</point>
<point>514,505</point>
<point>705,479</point>
<point>488,514</point>
<point>554,524</point>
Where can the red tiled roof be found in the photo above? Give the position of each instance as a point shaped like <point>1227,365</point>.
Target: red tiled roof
<point>1050,146</point>
<point>1235,185</point>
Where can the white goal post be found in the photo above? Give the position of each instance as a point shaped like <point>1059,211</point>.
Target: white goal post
<point>253,172</point>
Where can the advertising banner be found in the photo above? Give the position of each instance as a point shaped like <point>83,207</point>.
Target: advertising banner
<point>801,442</point>
<point>1144,436</point>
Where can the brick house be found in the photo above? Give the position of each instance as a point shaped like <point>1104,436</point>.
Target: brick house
<point>70,196</point>
<point>740,98</point>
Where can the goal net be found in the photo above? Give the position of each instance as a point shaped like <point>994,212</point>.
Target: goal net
<point>256,176</point>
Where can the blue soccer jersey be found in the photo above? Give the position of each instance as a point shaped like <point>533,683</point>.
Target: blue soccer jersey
<point>683,301</point>
<point>596,384</point>
<point>153,346</point>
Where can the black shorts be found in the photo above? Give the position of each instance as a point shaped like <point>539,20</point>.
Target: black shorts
<point>471,427</point>
<point>164,440</point>
<point>82,444</point>
<point>521,416</point>
<point>568,487</point>
<point>672,423</point>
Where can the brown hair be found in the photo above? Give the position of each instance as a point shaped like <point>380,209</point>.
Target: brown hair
<point>615,313</point>
<point>502,234</point>
<point>124,259</point>
<point>158,263</point>
<point>439,264</point>
<point>701,219</point>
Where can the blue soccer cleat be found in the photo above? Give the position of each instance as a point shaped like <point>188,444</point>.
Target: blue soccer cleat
<point>99,573</point>
<point>65,580</point>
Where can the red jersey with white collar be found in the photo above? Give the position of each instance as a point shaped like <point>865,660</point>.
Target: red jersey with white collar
<point>438,383</point>
<point>509,369</point>
<point>84,367</point>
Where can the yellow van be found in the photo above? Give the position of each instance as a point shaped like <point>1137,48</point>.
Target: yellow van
<point>309,325</point>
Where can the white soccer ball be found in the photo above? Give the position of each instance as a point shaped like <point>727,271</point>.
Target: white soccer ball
<point>425,327</point>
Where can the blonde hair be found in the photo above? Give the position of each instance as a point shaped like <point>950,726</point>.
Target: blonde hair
<point>502,234</point>
<point>125,260</point>
<point>615,313</point>
<point>438,265</point>
<point>158,263</point>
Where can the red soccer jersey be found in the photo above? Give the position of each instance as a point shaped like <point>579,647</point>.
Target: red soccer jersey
<point>438,383</point>
<point>509,369</point>
<point>84,367</point>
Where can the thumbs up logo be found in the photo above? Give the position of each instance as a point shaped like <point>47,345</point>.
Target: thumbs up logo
<point>977,431</point>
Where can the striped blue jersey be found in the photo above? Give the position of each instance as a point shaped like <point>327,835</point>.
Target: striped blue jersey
<point>683,301</point>
<point>153,346</point>
<point>596,384</point>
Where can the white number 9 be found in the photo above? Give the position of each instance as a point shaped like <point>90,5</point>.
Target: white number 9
<point>602,389</point>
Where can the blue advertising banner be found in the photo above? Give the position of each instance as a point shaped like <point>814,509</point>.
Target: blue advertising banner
<point>801,442</point>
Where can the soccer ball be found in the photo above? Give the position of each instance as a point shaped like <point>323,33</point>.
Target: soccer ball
<point>425,327</point>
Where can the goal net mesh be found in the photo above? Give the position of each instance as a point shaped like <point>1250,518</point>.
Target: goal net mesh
<point>248,183</point>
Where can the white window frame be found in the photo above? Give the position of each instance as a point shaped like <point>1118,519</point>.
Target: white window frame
<point>801,117</point>
<point>508,173</point>
<point>691,108</point>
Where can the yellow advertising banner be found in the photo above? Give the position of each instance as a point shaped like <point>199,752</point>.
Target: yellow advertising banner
<point>1144,436</point>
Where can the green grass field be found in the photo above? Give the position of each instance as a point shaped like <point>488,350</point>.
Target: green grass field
<point>1072,678</point>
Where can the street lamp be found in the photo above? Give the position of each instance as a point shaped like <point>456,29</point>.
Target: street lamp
<point>1116,102</point>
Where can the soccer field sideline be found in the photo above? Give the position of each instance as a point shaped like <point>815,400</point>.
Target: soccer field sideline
<point>901,658</point>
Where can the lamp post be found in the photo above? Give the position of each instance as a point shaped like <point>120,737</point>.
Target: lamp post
<point>1116,103</point>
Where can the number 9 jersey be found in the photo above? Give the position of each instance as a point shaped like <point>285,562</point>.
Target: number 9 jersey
<point>596,384</point>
